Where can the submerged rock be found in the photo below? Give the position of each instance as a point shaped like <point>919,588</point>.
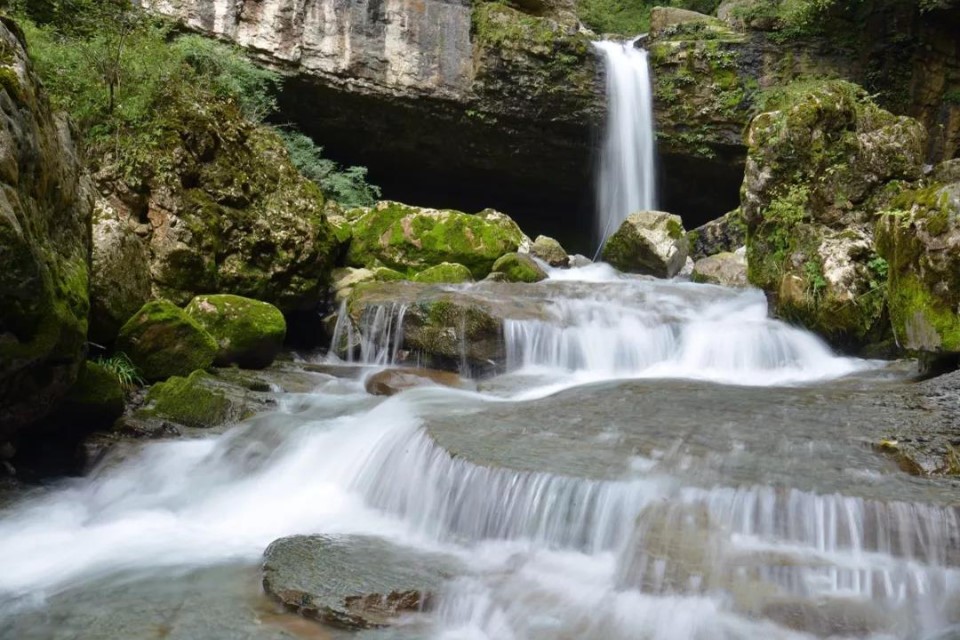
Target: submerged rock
<point>448,272</point>
<point>649,243</point>
<point>162,340</point>
<point>354,582</point>
<point>517,267</point>
<point>411,239</point>
<point>249,333</point>
<point>550,251</point>
<point>45,217</point>
<point>727,269</point>
<point>393,381</point>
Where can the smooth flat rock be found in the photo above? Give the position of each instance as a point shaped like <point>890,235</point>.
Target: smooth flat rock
<point>354,582</point>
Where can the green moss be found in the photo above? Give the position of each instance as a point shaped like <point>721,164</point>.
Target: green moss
<point>162,341</point>
<point>97,395</point>
<point>445,272</point>
<point>249,333</point>
<point>519,268</point>
<point>674,229</point>
<point>188,401</point>
<point>11,83</point>
<point>916,311</point>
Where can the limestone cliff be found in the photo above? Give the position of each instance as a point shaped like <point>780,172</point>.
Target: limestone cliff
<point>46,202</point>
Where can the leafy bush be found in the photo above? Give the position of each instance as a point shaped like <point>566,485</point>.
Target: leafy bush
<point>347,186</point>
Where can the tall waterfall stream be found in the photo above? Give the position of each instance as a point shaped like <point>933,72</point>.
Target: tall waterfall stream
<point>660,460</point>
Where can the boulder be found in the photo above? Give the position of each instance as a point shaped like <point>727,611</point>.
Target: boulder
<point>96,400</point>
<point>249,333</point>
<point>353,582</point>
<point>120,279</point>
<point>549,250</point>
<point>518,267</point>
<point>723,235</point>
<point>578,261</point>
<point>411,239</point>
<point>817,175</point>
<point>919,237</point>
<point>45,218</point>
<point>727,269</point>
<point>345,279</point>
<point>445,272</point>
<point>189,401</point>
<point>392,381</point>
<point>223,209</point>
<point>649,243</point>
<point>162,340</point>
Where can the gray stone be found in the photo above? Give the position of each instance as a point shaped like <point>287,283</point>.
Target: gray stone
<point>649,243</point>
<point>550,251</point>
<point>727,269</point>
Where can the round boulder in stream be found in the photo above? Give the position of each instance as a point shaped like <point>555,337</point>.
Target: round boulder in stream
<point>354,582</point>
<point>650,243</point>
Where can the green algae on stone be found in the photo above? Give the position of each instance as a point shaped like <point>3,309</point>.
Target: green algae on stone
<point>188,401</point>
<point>445,272</point>
<point>249,333</point>
<point>162,340</point>
<point>518,267</point>
<point>411,239</point>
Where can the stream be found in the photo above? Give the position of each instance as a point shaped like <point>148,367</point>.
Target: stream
<point>659,460</point>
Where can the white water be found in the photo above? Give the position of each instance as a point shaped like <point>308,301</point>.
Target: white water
<point>550,556</point>
<point>628,174</point>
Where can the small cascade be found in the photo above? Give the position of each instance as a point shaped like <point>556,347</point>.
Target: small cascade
<point>376,341</point>
<point>627,176</point>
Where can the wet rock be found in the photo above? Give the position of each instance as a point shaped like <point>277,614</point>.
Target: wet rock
<point>577,261</point>
<point>393,381</point>
<point>45,218</point>
<point>344,280</point>
<point>193,401</point>
<point>354,582</point>
<point>517,267</point>
<point>550,251</point>
<point>448,272</point>
<point>649,243</point>
<point>120,278</point>
<point>249,333</point>
<point>727,269</point>
<point>830,617</point>
<point>725,234</point>
<point>411,239</point>
<point>162,340</point>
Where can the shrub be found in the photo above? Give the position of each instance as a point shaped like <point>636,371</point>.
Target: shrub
<point>348,186</point>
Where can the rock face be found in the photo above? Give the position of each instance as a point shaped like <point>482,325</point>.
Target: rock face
<point>650,243</point>
<point>249,333</point>
<point>162,340</point>
<point>432,77</point>
<point>817,175</point>
<point>727,269</point>
<point>919,236</point>
<point>410,239</point>
<point>354,582</point>
<point>393,381</point>
<point>221,208</point>
<point>45,218</point>
<point>120,280</point>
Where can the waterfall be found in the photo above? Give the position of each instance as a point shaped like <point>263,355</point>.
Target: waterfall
<point>627,178</point>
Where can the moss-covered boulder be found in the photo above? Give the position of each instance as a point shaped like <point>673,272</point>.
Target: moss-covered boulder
<point>120,278</point>
<point>249,333</point>
<point>411,239</point>
<point>819,170</point>
<point>96,400</point>
<point>162,340</point>
<point>518,267</point>
<point>550,251</point>
<point>45,215</point>
<point>449,272</point>
<point>191,401</point>
<point>919,237</point>
<point>346,278</point>
<point>228,212</point>
<point>650,243</point>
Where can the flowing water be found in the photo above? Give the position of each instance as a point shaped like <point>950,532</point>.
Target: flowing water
<point>660,460</point>
<point>627,175</point>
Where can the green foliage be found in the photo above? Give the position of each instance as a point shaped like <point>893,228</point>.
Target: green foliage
<point>122,369</point>
<point>632,17</point>
<point>348,186</point>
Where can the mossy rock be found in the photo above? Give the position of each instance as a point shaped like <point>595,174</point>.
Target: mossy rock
<point>550,251</point>
<point>650,243</point>
<point>162,340</point>
<point>517,267</point>
<point>190,401</point>
<point>446,272</point>
<point>249,333</point>
<point>411,239</point>
<point>96,399</point>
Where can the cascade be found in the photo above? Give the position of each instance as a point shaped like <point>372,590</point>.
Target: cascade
<point>627,176</point>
